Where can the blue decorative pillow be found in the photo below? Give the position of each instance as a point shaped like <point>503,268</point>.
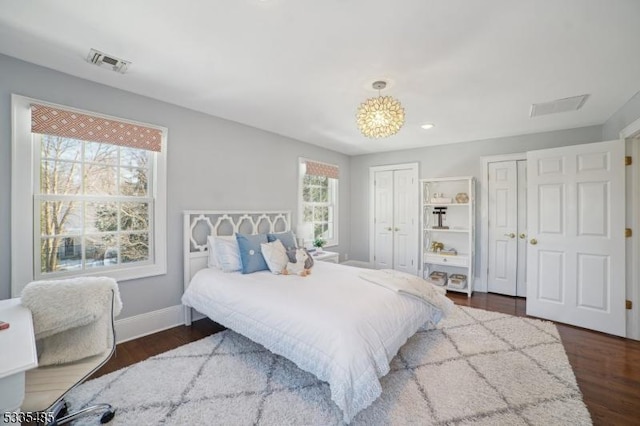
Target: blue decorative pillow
<point>288,240</point>
<point>251,253</point>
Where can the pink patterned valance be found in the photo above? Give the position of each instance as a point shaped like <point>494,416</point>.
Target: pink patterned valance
<point>322,169</point>
<point>60,122</point>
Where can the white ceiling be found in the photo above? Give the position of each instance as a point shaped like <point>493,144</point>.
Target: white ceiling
<point>300,68</point>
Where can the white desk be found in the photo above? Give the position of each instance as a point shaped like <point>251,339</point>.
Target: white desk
<point>17,352</point>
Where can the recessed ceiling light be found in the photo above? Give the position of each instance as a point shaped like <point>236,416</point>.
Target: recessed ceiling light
<point>428,126</point>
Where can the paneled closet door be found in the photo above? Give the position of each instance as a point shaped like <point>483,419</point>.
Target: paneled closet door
<point>395,219</point>
<point>508,228</point>
<point>383,226</point>
<point>405,229</point>
<point>521,274</point>
<point>503,227</point>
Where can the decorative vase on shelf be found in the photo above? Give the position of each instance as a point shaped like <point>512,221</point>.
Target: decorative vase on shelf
<point>462,197</point>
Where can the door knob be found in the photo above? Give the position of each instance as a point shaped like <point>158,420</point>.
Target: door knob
<point>510,235</point>
<point>396,229</point>
<point>533,241</point>
<point>523,236</point>
<point>389,229</point>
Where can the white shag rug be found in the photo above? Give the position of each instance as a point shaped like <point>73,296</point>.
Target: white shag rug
<point>477,368</point>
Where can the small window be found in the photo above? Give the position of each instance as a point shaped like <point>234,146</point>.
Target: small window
<point>319,201</point>
<point>94,188</point>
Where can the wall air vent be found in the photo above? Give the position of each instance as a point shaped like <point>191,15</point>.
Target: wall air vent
<point>573,103</point>
<point>102,59</point>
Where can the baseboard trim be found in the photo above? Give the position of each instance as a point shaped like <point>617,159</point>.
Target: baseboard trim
<point>479,286</point>
<point>148,323</point>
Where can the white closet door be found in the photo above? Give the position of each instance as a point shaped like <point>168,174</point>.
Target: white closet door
<point>521,275</point>
<point>503,226</point>
<point>576,257</point>
<point>405,229</point>
<point>383,227</point>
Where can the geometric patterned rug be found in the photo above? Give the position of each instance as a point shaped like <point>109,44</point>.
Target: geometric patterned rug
<point>476,368</point>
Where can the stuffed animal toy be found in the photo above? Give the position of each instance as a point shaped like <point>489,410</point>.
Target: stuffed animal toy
<point>308,264</point>
<point>298,267</point>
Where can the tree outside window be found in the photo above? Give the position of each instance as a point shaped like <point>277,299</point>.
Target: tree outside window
<point>94,204</point>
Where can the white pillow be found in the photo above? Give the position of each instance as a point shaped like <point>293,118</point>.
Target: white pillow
<point>228,253</point>
<point>275,255</point>
<point>212,261</point>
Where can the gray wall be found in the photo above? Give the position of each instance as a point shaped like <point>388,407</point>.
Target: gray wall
<point>218,164</point>
<point>626,115</point>
<point>212,164</point>
<point>462,159</point>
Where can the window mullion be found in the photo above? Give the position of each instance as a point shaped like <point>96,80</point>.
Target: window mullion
<point>94,198</point>
<point>83,189</point>
<point>83,201</point>
<point>318,203</point>
<point>151,235</point>
<point>36,163</point>
<point>83,245</point>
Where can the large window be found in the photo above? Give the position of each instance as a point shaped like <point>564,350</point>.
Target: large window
<point>94,188</point>
<point>93,205</point>
<point>319,200</point>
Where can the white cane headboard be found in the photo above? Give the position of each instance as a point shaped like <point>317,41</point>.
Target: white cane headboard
<point>198,225</point>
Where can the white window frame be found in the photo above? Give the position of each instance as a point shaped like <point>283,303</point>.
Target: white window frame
<point>24,171</point>
<point>334,188</point>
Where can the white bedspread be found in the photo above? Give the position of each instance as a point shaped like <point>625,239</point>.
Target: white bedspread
<point>410,285</point>
<point>332,323</point>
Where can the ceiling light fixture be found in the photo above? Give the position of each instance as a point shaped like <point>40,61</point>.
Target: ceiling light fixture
<point>428,126</point>
<point>380,117</point>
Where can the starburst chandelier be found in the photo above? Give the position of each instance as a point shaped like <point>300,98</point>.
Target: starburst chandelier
<point>380,117</point>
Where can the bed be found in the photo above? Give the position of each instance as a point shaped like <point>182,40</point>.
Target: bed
<point>334,324</point>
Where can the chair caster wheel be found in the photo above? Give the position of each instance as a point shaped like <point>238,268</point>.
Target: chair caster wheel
<point>64,410</point>
<point>107,417</point>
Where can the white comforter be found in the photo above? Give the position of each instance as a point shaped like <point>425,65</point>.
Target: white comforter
<point>341,328</point>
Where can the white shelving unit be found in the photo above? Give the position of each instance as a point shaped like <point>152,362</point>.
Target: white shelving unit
<point>459,234</point>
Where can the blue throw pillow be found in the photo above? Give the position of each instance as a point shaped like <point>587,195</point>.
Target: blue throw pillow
<point>287,239</point>
<point>251,253</point>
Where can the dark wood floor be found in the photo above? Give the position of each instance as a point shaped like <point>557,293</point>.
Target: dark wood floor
<point>607,368</point>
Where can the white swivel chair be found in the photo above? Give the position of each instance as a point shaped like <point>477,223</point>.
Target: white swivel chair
<point>62,335</point>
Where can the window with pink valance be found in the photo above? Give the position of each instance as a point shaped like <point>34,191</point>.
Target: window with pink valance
<point>69,124</point>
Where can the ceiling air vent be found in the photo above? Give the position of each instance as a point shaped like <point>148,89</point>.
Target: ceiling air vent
<point>573,103</point>
<point>102,59</point>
